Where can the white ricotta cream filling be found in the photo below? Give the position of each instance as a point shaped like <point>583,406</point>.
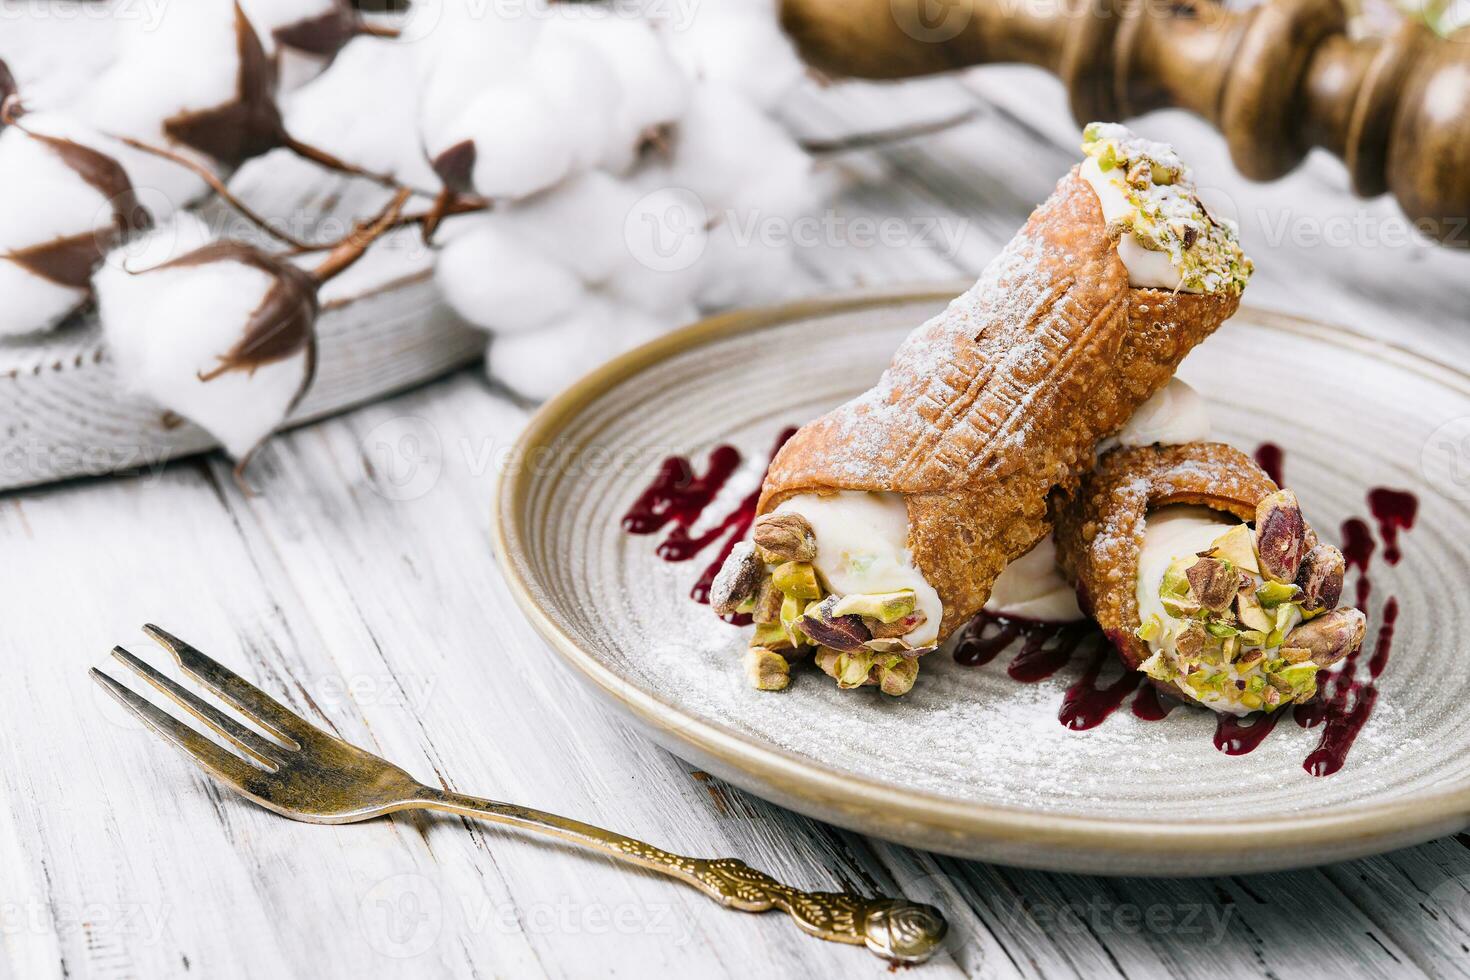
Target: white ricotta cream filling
<point>863,548</point>
<point>1146,267</point>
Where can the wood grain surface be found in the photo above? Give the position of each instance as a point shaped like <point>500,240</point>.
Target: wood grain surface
<point>359,584</point>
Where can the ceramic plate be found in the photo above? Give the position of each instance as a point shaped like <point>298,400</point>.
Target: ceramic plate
<point>974,762</point>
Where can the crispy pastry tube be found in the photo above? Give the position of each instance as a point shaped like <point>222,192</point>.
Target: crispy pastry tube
<point>1205,576</point>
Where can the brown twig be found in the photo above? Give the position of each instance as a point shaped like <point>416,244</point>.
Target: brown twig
<point>324,159</point>
<point>457,206</point>
<point>218,186</point>
<point>356,244</point>
<point>369,29</point>
<point>884,137</point>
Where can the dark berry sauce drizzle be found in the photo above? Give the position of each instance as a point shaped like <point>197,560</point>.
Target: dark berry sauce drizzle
<point>678,496</point>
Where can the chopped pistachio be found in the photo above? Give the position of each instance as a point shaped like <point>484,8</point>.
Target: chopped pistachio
<point>1254,638</point>
<point>1157,667</point>
<point>768,603</point>
<point>1213,583</point>
<point>1280,536</point>
<point>1176,582</point>
<point>1273,594</point>
<point>1180,608</point>
<point>766,669</point>
<point>1150,630</point>
<point>886,607</point>
<point>772,636</point>
<point>853,668</point>
<point>785,537</point>
<point>1252,615</point>
<point>1221,630</point>
<point>896,675</point>
<point>798,579</point>
<point>1237,546</point>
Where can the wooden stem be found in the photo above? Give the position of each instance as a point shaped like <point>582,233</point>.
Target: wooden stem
<point>355,246</point>
<point>219,187</point>
<point>1277,79</point>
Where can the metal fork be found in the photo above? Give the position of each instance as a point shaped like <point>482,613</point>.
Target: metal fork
<point>306,774</point>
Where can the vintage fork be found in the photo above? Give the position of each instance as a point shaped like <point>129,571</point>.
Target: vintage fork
<point>306,774</point>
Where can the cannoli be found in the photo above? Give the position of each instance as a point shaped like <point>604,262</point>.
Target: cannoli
<point>885,522</point>
<point>1205,576</point>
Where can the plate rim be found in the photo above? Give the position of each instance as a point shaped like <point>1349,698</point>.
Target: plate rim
<point>819,785</point>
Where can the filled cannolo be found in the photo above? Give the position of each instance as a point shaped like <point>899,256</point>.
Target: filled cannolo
<point>885,522</point>
<point>1205,576</point>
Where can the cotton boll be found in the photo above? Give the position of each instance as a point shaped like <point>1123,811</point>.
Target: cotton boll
<point>654,89</point>
<point>738,43</point>
<point>665,238</point>
<point>724,143</point>
<point>540,363</point>
<point>29,45</point>
<point>506,144</point>
<point>497,282</point>
<point>199,79</point>
<point>62,205</point>
<point>364,109</point>
<point>582,89</point>
<point>580,225</point>
<point>223,335</point>
<point>462,48</point>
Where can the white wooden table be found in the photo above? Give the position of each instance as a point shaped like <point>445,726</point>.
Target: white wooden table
<point>366,593</point>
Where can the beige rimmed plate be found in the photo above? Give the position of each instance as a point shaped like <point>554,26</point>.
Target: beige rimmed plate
<point>972,762</point>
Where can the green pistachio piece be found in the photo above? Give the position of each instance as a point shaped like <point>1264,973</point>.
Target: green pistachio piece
<point>798,579</point>
<point>791,612</point>
<point>1176,581</point>
<point>1251,613</point>
<point>1272,594</point>
<point>1252,638</point>
<point>896,675</point>
<point>1237,546</point>
<point>853,668</point>
<point>1151,630</point>
<point>1157,667</point>
<point>766,669</point>
<point>772,636</point>
<point>886,607</point>
<point>1221,630</point>
<point>1180,608</point>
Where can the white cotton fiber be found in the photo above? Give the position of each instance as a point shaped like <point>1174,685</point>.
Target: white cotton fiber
<point>364,109</point>
<point>539,363</point>
<point>518,148</point>
<point>499,283</point>
<point>738,43</point>
<point>653,88</point>
<point>466,48</point>
<point>167,326</point>
<point>580,225</point>
<point>582,94</point>
<point>188,61</point>
<point>42,201</point>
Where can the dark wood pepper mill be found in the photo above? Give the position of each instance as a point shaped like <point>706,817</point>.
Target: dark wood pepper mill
<point>1276,79</point>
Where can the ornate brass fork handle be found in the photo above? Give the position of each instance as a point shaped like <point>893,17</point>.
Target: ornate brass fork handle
<point>306,774</point>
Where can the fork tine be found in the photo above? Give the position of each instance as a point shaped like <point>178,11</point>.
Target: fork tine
<point>265,751</point>
<point>213,759</point>
<point>256,705</point>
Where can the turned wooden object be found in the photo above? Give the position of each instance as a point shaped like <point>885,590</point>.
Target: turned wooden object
<point>1276,79</point>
